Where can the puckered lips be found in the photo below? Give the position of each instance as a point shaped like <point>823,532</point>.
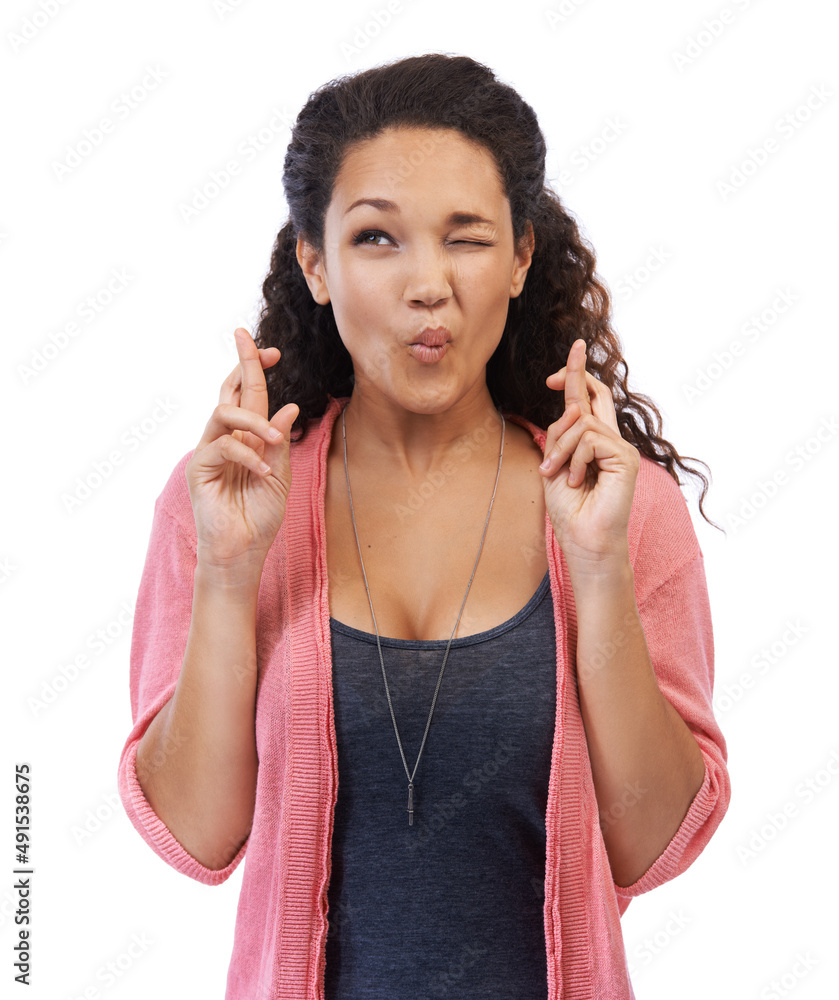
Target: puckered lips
<point>430,344</point>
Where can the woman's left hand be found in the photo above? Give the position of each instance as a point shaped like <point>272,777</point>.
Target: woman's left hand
<point>590,477</point>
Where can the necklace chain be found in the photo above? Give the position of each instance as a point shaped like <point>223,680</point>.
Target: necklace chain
<point>410,774</point>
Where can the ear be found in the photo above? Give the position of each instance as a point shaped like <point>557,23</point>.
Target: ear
<point>523,258</point>
<point>314,270</point>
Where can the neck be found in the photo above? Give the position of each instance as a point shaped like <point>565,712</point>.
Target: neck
<point>414,445</point>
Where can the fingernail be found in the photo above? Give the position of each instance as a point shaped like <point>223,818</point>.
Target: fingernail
<point>273,433</point>
<point>546,464</point>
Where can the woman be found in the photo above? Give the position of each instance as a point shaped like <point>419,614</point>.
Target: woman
<point>345,660</point>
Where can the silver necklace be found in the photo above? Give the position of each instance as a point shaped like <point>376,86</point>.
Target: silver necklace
<point>410,774</point>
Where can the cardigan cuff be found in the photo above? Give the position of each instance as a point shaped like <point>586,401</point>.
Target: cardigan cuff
<point>701,820</point>
<point>155,832</point>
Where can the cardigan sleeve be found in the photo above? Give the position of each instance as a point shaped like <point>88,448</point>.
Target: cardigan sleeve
<point>676,617</point>
<point>162,617</point>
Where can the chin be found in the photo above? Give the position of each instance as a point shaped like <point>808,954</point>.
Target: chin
<point>425,399</point>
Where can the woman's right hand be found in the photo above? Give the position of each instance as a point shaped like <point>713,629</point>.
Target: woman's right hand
<point>238,507</point>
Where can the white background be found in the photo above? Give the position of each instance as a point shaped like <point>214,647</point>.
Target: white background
<point>692,107</point>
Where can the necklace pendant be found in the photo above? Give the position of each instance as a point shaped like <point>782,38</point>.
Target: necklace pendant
<point>411,804</point>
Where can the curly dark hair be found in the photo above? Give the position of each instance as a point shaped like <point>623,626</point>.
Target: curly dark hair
<point>563,297</point>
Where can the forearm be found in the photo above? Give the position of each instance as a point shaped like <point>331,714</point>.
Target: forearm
<point>197,761</point>
<point>646,764</point>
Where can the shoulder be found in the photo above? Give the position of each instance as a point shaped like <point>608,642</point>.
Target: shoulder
<point>174,498</point>
<point>309,446</point>
<point>661,534</point>
<point>523,441</point>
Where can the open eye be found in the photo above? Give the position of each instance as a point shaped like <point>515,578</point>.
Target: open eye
<point>361,238</point>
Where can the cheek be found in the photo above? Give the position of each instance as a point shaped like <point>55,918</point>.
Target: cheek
<point>363,330</point>
<point>359,292</point>
<point>487,280</point>
<point>486,300</point>
<point>355,306</point>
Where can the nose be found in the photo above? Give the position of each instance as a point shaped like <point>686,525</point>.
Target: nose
<point>427,276</point>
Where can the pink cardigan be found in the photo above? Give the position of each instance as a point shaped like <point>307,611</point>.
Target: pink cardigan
<point>281,924</point>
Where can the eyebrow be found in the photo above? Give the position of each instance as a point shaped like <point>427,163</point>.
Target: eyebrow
<point>454,219</point>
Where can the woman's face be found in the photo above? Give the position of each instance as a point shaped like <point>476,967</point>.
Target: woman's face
<point>435,250</point>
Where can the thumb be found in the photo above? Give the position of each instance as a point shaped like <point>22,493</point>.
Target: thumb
<point>282,421</point>
<point>277,453</point>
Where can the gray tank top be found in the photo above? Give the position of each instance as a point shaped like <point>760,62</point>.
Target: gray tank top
<point>453,905</point>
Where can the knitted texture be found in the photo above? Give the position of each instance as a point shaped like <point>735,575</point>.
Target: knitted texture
<point>281,923</point>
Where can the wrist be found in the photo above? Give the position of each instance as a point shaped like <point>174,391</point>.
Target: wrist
<point>613,555</point>
<point>240,574</point>
<point>604,569</point>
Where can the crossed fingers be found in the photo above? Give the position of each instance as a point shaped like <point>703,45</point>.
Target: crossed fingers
<point>589,406</point>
